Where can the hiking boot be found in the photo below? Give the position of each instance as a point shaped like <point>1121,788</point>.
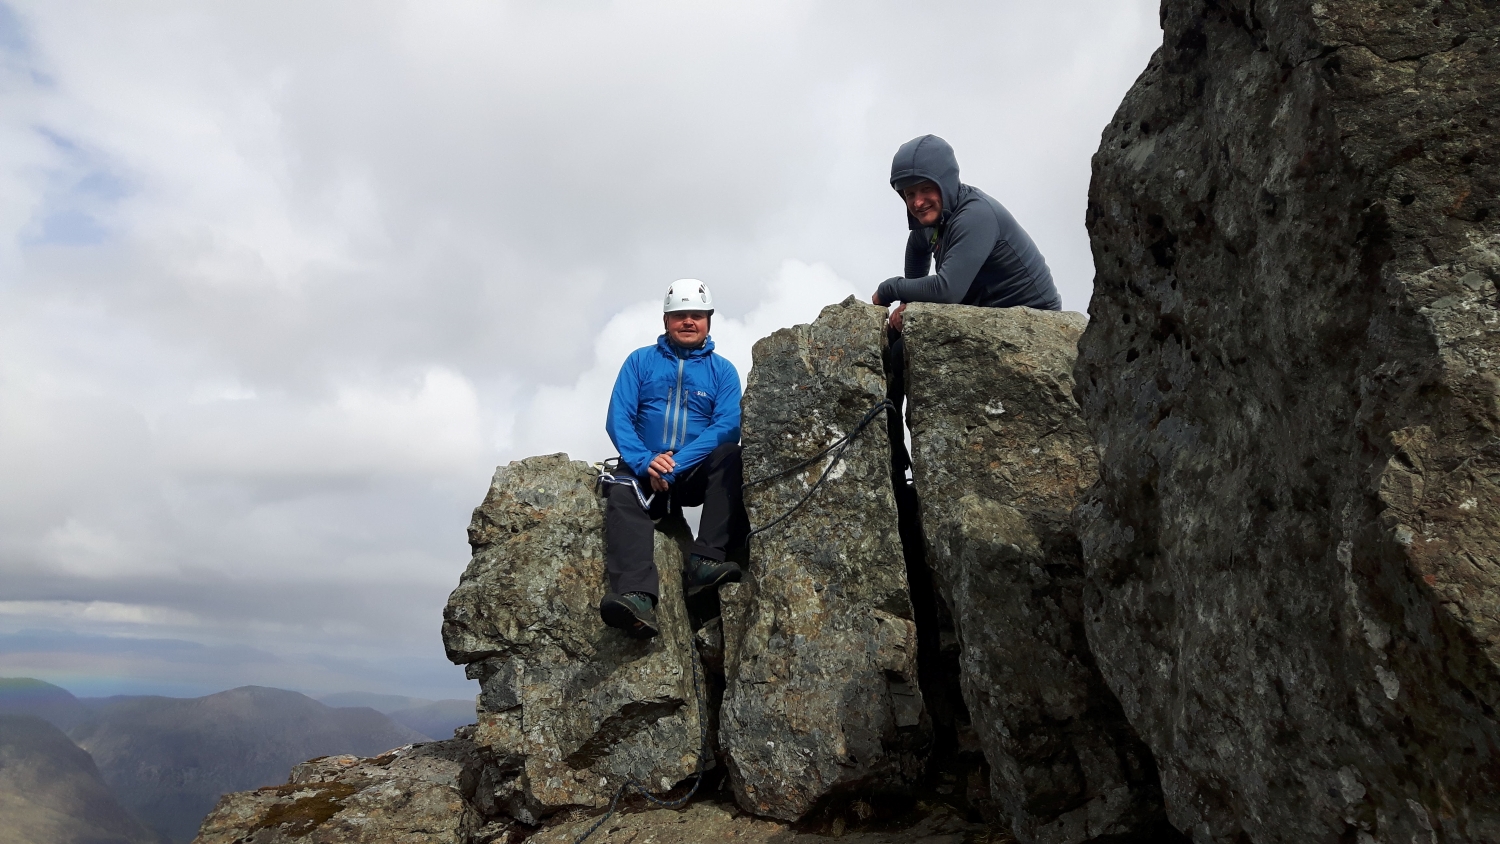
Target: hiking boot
<point>633,612</point>
<point>703,573</point>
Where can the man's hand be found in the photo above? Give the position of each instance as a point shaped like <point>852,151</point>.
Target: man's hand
<point>875,298</point>
<point>661,464</point>
<point>895,317</point>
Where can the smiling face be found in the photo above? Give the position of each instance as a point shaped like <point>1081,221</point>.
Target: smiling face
<point>924,201</point>
<point>687,329</point>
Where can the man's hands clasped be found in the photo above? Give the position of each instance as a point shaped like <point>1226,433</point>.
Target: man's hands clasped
<point>661,464</point>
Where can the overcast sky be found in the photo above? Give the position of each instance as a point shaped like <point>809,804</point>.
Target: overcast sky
<point>282,282</point>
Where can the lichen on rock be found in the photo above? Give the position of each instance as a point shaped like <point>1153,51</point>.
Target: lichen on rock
<point>421,794</point>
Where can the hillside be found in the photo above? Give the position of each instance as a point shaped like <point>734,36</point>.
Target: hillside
<point>25,696</point>
<point>51,792</point>
<point>169,759</point>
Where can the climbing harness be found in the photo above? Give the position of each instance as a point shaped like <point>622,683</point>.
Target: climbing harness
<point>702,703</point>
<point>607,475</point>
<point>840,444</point>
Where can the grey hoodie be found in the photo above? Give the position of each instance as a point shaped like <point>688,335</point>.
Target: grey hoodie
<point>984,257</point>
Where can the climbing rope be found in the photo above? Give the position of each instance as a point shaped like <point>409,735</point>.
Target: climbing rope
<point>640,789</point>
<point>842,443</point>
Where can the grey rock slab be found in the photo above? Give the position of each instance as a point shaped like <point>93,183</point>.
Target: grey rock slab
<point>568,707</point>
<point>1294,551</point>
<point>1001,457</point>
<point>413,795</point>
<point>822,696</point>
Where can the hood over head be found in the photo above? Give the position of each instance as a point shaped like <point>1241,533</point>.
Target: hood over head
<point>928,157</point>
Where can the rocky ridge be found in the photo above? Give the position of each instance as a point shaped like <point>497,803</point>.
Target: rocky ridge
<point>1294,556</point>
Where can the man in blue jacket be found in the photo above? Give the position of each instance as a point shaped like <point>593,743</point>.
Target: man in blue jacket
<point>674,417</point>
<point>983,255</point>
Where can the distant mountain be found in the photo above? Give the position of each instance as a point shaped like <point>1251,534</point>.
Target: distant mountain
<point>25,696</point>
<point>379,703</point>
<point>51,792</point>
<point>169,759</point>
<point>437,719</point>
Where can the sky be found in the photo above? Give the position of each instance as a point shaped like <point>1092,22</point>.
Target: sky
<point>281,283</point>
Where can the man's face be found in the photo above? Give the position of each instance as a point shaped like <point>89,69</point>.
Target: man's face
<point>687,328</point>
<point>924,201</point>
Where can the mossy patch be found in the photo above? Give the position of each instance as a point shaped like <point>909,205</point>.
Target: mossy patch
<point>300,817</point>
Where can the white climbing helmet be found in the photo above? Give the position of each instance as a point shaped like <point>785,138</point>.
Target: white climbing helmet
<point>688,294</point>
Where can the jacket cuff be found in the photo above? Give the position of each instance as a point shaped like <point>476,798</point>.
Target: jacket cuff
<point>887,291</point>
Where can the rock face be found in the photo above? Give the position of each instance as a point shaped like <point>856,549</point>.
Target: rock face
<point>1290,375</point>
<point>822,697</point>
<point>420,794</point>
<point>570,708</point>
<point>1002,457</point>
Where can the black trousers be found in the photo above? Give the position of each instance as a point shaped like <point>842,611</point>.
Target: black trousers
<point>895,390</point>
<point>716,483</point>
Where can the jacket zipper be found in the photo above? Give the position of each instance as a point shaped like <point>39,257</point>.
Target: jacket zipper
<point>675,406</point>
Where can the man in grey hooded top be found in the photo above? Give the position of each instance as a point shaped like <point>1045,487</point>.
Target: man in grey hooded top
<point>983,256</point>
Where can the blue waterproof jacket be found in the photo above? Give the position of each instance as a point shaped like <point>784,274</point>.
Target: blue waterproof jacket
<point>983,255</point>
<point>666,398</point>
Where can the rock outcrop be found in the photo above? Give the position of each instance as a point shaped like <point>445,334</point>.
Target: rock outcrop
<point>419,794</point>
<point>823,697</point>
<point>1002,457</point>
<point>570,708</point>
<point>1290,373</point>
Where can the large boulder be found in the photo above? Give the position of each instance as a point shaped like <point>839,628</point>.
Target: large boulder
<point>1002,457</point>
<point>569,708</point>
<point>1290,374</point>
<point>822,695</point>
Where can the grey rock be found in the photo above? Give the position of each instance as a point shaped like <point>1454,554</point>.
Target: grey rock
<point>1294,552</point>
<point>568,707</point>
<point>1001,458</point>
<point>823,695</point>
<point>418,794</point>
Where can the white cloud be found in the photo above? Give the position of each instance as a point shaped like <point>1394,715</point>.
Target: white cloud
<point>429,425</point>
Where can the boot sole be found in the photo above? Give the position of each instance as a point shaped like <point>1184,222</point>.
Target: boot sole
<point>621,616</point>
<point>729,576</point>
